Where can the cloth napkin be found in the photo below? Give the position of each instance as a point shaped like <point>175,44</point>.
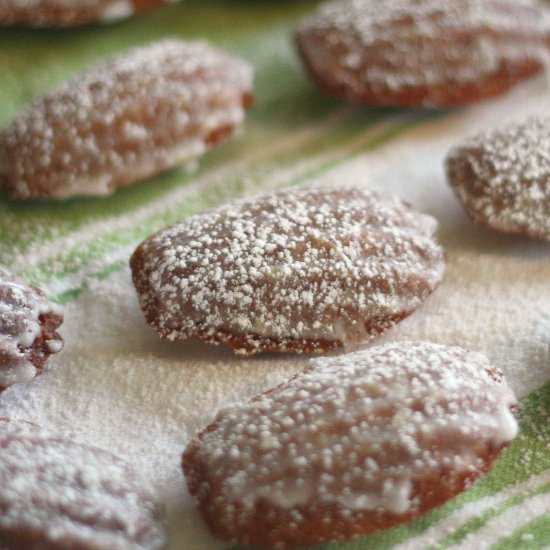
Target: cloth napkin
<point>116,385</point>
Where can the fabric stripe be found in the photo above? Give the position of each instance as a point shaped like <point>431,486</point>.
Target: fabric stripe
<point>504,525</point>
<point>531,536</point>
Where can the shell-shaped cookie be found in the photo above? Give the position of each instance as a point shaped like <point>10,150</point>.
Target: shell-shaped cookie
<point>70,13</point>
<point>28,324</point>
<point>354,444</point>
<point>297,270</point>
<point>58,494</point>
<point>502,177</point>
<point>424,52</point>
<point>125,119</point>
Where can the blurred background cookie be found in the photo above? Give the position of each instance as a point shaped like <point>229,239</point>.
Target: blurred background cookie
<point>300,270</point>
<point>354,444</point>
<point>423,52</point>
<point>125,119</point>
<point>58,494</point>
<point>502,177</point>
<point>28,324</point>
<point>63,13</point>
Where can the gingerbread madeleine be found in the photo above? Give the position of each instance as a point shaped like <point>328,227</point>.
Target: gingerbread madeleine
<point>354,444</point>
<point>125,119</point>
<point>433,53</point>
<point>28,324</point>
<point>300,270</point>
<point>58,494</point>
<point>502,177</point>
<point>63,13</point>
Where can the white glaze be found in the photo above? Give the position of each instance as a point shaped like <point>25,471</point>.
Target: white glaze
<point>359,431</point>
<point>298,264</point>
<point>21,309</point>
<point>19,370</point>
<point>119,9</point>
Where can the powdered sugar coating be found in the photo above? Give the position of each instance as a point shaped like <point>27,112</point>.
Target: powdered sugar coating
<point>502,177</point>
<point>69,13</point>
<point>125,119</point>
<point>298,270</point>
<point>56,494</point>
<point>354,443</point>
<point>28,322</point>
<point>424,52</point>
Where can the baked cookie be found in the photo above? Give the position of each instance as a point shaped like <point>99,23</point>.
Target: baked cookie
<point>502,177</point>
<point>125,119</point>
<point>300,270</point>
<point>354,444</point>
<point>57,494</point>
<point>60,13</point>
<point>434,53</point>
<point>28,324</point>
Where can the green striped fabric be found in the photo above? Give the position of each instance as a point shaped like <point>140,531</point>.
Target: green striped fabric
<point>292,135</point>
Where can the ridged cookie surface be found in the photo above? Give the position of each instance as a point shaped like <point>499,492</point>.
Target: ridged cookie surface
<point>424,52</point>
<point>354,444</point>
<point>502,177</point>
<point>302,270</point>
<point>125,119</point>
